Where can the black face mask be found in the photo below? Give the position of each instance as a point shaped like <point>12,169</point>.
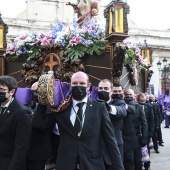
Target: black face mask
<point>156,100</point>
<point>128,100</point>
<point>150,100</point>
<point>35,96</point>
<point>103,95</point>
<point>142,104</point>
<point>79,92</point>
<point>117,96</point>
<point>3,97</point>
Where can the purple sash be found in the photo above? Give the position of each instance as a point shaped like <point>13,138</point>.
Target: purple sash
<point>93,93</point>
<point>145,154</point>
<point>61,92</point>
<point>24,95</point>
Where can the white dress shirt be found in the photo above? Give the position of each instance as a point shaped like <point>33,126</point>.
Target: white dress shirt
<point>75,109</point>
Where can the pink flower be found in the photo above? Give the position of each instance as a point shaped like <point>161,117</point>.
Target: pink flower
<point>74,41</point>
<point>142,61</point>
<point>89,29</point>
<point>126,40</point>
<point>23,37</point>
<point>45,41</point>
<point>36,41</point>
<point>11,50</point>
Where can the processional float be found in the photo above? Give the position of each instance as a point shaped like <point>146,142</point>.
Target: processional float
<point>52,65</point>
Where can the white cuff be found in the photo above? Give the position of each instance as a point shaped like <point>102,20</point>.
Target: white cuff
<point>113,110</point>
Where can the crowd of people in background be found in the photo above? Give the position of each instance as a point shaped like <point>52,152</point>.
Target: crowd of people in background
<point>109,132</point>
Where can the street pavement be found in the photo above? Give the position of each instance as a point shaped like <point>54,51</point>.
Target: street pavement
<point>161,161</point>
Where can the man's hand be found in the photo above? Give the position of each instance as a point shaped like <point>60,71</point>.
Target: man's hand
<point>106,104</point>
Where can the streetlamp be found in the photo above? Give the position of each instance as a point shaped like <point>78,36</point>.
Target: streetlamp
<point>165,72</point>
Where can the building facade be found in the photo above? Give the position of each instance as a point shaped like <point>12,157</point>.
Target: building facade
<point>40,15</point>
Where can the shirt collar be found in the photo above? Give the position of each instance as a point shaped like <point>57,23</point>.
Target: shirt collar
<point>7,104</point>
<point>109,100</point>
<point>75,101</point>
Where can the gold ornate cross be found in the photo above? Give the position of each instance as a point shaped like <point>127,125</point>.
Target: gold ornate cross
<point>51,63</point>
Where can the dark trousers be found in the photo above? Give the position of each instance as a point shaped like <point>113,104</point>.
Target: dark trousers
<point>138,158</point>
<point>129,160</point>
<point>36,164</point>
<point>108,167</point>
<point>155,140</point>
<point>132,159</point>
<point>121,150</point>
<point>159,134</point>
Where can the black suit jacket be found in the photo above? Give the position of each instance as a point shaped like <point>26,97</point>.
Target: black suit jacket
<point>128,131</point>
<point>156,115</point>
<point>140,124</point>
<point>88,146</point>
<point>117,120</point>
<point>15,132</point>
<point>160,113</point>
<point>42,128</point>
<point>148,108</point>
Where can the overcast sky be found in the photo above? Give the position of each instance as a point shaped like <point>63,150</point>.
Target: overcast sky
<point>145,13</point>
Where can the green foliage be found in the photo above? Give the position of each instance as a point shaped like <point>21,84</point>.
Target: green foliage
<point>76,52</point>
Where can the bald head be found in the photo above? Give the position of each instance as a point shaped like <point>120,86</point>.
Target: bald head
<point>156,97</point>
<point>80,79</point>
<point>152,97</point>
<point>141,98</point>
<point>79,85</point>
<point>129,93</point>
<point>34,86</point>
<point>81,75</point>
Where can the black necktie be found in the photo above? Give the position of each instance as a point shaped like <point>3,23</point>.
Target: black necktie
<point>2,110</point>
<point>78,121</point>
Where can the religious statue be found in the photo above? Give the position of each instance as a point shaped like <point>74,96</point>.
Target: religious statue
<point>86,9</point>
<point>133,73</point>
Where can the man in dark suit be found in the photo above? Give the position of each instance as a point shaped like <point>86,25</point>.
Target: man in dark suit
<point>111,93</point>
<point>150,121</point>
<point>156,122</point>
<point>117,111</point>
<point>15,128</point>
<point>140,126</point>
<point>40,149</point>
<point>81,127</point>
<point>129,138</point>
<point>161,118</point>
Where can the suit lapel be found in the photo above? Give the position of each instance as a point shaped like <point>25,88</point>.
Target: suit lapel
<point>89,110</point>
<point>7,113</point>
<point>67,114</point>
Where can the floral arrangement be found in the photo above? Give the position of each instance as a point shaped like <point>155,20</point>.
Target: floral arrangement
<point>88,39</point>
<point>133,54</point>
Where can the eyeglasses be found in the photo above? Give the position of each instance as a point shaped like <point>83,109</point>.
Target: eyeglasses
<point>3,90</point>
